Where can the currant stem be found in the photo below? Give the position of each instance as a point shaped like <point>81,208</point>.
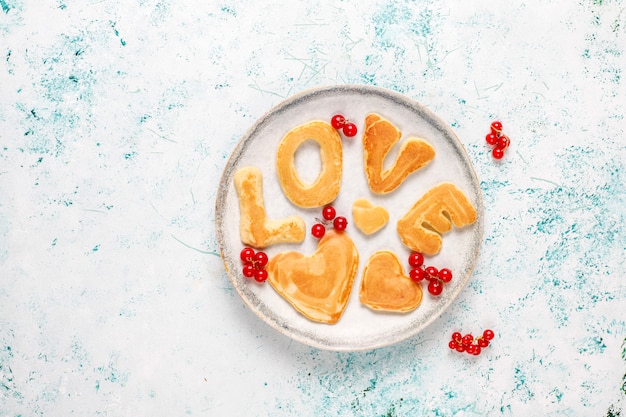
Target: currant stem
<point>323,222</point>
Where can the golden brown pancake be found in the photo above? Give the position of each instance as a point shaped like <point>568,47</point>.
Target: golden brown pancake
<point>326,187</point>
<point>378,139</point>
<point>385,286</point>
<point>318,286</point>
<point>433,214</point>
<point>254,227</point>
<point>369,218</point>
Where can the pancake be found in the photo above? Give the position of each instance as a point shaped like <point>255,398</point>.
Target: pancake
<point>255,228</point>
<point>443,205</point>
<point>367,217</point>
<point>318,286</point>
<point>326,186</point>
<point>385,287</point>
<point>378,139</point>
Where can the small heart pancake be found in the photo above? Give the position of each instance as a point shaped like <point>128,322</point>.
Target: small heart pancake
<point>368,217</point>
<point>318,286</point>
<point>385,287</point>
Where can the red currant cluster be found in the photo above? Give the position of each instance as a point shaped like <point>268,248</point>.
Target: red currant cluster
<point>254,264</point>
<point>469,344</point>
<point>498,140</point>
<point>340,122</point>
<point>329,215</point>
<point>436,278</point>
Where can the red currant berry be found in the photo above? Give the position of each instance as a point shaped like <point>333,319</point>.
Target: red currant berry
<point>248,270</point>
<point>338,121</point>
<point>491,139</point>
<point>483,343</point>
<point>435,287</point>
<point>417,274</point>
<point>497,153</point>
<point>432,271</point>
<point>452,344</point>
<point>496,127</point>
<point>260,259</point>
<point>260,275</point>
<point>349,129</point>
<point>340,223</point>
<point>445,275</point>
<point>416,259</point>
<point>467,339</point>
<point>329,213</point>
<point>503,142</point>
<point>247,254</point>
<point>471,349</point>
<point>477,350</point>
<point>460,348</point>
<point>457,337</point>
<point>489,334</point>
<point>318,230</point>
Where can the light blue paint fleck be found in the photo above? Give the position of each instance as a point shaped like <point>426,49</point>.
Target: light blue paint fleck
<point>117,33</point>
<point>229,10</point>
<point>591,346</point>
<point>558,395</point>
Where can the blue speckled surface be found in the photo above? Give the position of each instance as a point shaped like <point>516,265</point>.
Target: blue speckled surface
<point>116,121</point>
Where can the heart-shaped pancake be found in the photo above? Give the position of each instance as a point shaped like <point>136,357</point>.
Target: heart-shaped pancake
<point>318,286</point>
<point>369,218</point>
<point>385,287</point>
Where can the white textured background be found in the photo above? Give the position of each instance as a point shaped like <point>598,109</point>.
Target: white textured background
<point>116,120</point>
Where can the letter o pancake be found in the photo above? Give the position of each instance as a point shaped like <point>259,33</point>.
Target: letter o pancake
<point>326,187</point>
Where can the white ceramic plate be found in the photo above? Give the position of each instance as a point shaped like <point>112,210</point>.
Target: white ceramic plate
<point>359,328</point>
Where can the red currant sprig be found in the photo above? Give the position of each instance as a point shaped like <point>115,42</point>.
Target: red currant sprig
<point>436,278</point>
<point>338,121</point>
<point>498,140</point>
<point>254,264</point>
<point>469,344</point>
<point>329,215</point>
